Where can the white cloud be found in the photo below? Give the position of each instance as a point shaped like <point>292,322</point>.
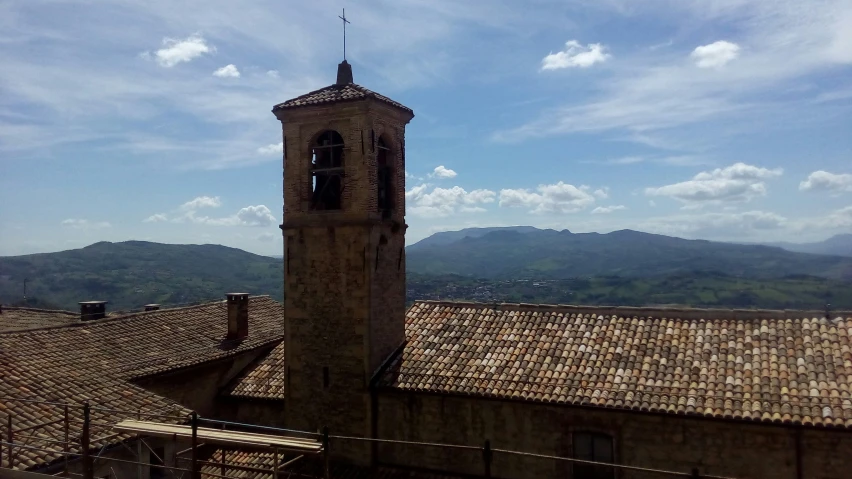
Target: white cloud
<point>265,237</point>
<point>575,56</point>
<point>177,51</point>
<point>736,183</point>
<point>625,160</point>
<point>658,95</point>
<point>156,218</point>
<point>715,55</point>
<point>272,73</point>
<point>556,198</point>
<point>201,202</point>
<point>258,215</point>
<point>443,173</point>
<point>272,149</point>
<point>717,225</point>
<point>227,71</point>
<point>837,219</point>
<point>603,210</point>
<point>824,181</point>
<point>674,160</point>
<point>85,224</point>
<point>416,192</point>
<point>446,201</point>
<point>601,193</point>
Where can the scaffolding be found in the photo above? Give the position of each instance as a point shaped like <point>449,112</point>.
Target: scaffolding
<point>82,436</point>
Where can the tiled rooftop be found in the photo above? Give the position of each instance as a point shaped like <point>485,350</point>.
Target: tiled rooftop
<point>308,467</point>
<point>96,360</point>
<point>14,318</point>
<point>337,93</point>
<point>265,379</point>
<point>770,366</point>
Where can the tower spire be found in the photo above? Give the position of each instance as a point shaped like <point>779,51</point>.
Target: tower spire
<point>345,21</point>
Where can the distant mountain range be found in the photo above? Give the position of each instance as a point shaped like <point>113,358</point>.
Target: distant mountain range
<point>131,274</point>
<point>527,252</point>
<point>840,245</point>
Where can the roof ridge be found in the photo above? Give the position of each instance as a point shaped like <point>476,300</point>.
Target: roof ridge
<point>319,97</point>
<point>40,310</point>
<point>683,313</point>
<point>280,105</point>
<point>110,319</point>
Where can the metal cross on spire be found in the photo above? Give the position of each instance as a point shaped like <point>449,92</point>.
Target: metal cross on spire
<point>345,21</point>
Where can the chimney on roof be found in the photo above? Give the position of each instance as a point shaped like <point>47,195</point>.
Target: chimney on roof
<point>152,307</point>
<point>344,73</point>
<point>90,310</point>
<point>238,304</point>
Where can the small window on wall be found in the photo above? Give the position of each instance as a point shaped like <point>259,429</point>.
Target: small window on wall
<point>327,171</point>
<point>384,184</point>
<point>592,447</point>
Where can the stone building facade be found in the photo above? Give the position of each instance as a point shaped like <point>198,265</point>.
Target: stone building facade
<point>733,393</point>
<point>344,239</point>
<point>726,393</point>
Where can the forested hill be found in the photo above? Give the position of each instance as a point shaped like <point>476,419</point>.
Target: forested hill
<point>133,273</point>
<point>547,254</point>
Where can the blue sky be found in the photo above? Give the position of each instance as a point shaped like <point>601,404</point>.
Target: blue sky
<point>150,120</point>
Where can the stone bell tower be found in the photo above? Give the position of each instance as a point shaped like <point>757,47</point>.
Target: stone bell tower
<point>344,238</point>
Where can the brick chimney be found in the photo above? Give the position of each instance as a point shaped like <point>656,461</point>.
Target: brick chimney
<point>90,310</point>
<point>238,304</point>
<point>152,307</point>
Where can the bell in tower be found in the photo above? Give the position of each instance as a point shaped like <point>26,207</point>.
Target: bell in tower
<point>344,239</point>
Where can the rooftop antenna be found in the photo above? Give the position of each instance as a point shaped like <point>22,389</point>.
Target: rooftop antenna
<point>345,21</point>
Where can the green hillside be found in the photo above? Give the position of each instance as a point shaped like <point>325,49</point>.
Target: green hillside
<point>622,268</point>
<point>133,273</point>
<point>712,290</point>
<point>549,254</point>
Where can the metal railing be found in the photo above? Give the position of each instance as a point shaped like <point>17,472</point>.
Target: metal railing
<point>84,446</point>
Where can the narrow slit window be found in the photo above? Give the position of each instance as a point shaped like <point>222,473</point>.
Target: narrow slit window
<point>327,171</point>
<point>325,377</point>
<point>384,184</point>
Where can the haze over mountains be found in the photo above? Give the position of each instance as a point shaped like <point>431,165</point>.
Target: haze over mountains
<point>524,252</point>
<point>840,245</point>
<point>133,273</point>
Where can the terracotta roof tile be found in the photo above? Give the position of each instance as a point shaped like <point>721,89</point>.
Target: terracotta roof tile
<point>265,379</point>
<point>337,93</point>
<point>777,367</point>
<point>14,318</point>
<point>97,360</point>
<point>308,467</point>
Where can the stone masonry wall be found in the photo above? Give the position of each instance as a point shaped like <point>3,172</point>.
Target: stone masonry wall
<point>344,274</point>
<point>327,311</point>
<point>198,388</point>
<point>387,295</point>
<point>677,443</point>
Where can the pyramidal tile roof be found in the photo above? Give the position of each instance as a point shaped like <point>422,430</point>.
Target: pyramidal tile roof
<point>335,94</point>
<point>344,89</point>
<point>768,366</point>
